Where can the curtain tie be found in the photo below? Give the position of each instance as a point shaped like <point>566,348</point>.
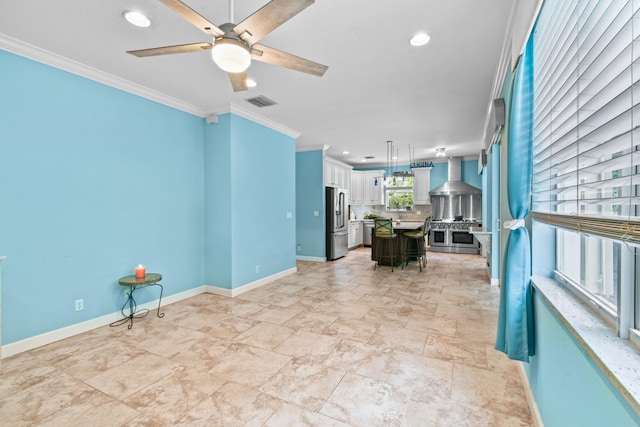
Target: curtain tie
<point>514,224</point>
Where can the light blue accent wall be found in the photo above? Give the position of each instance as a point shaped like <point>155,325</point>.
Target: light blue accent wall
<point>440,172</point>
<point>469,173</point>
<point>310,197</point>
<point>493,162</point>
<point>250,189</point>
<point>568,388</point>
<point>263,193</point>
<point>387,170</point>
<point>543,244</point>
<point>486,196</point>
<point>218,209</point>
<point>94,181</point>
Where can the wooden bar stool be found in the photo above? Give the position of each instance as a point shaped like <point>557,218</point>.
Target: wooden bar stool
<point>418,251</point>
<point>384,233</point>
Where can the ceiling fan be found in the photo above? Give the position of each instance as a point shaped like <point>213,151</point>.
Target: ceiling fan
<point>234,46</point>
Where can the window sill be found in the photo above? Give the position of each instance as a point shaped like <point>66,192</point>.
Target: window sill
<point>618,359</point>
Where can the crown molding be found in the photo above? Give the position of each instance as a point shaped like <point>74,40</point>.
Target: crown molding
<point>60,62</point>
<point>250,115</point>
<point>322,148</point>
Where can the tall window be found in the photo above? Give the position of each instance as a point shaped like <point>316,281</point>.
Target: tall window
<point>587,147</point>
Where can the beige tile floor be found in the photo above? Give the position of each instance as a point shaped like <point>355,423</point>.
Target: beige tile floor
<point>336,344</point>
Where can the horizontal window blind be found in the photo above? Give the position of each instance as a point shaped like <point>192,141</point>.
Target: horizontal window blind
<point>625,230</point>
<point>587,117</point>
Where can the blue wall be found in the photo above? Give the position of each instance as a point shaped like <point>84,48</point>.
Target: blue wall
<point>440,173</point>
<point>569,389</point>
<point>263,192</point>
<point>310,197</point>
<point>218,212</point>
<point>94,181</point>
<point>469,173</point>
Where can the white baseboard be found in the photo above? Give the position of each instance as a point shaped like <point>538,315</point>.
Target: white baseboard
<point>533,406</point>
<point>311,258</point>
<point>69,331</point>
<point>249,286</point>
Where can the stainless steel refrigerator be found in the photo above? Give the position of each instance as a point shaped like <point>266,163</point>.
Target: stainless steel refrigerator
<point>337,222</point>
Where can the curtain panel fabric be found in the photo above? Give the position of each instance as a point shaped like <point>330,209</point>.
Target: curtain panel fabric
<point>515,318</point>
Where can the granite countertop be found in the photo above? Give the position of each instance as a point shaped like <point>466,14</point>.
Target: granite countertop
<point>479,230</point>
<point>407,225</point>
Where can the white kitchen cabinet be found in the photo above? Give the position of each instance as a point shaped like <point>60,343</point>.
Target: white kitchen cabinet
<point>374,188</point>
<point>367,187</point>
<point>356,193</point>
<point>355,234</point>
<point>421,184</point>
<point>336,174</point>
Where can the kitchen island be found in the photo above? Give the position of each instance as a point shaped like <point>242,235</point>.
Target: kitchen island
<point>399,242</point>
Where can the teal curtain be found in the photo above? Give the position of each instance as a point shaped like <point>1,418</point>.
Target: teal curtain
<point>515,318</point>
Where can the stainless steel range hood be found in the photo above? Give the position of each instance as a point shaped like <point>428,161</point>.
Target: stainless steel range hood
<point>456,200</point>
<point>455,186</point>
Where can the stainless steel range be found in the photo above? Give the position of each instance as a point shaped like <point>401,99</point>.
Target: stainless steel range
<point>454,237</point>
<point>455,207</point>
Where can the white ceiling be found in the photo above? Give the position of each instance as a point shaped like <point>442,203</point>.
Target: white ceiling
<point>377,88</point>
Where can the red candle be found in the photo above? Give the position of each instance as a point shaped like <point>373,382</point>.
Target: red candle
<point>140,272</point>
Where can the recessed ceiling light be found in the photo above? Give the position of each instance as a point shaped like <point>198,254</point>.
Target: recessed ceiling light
<point>420,39</point>
<point>394,158</point>
<point>251,83</point>
<point>345,152</point>
<point>136,18</point>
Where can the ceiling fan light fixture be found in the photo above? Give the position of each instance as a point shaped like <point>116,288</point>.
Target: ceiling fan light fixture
<point>231,55</point>
<point>419,39</point>
<point>136,18</point>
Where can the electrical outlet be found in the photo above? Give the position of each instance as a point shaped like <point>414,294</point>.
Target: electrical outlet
<point>299,248</point>
<point>257,269</point>
<point>79,304</point>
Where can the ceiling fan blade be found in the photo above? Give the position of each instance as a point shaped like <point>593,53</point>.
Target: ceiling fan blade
<point>169,50</point>
<point>268,18</point>
<point>193,17</point>
<point>238,81</point>
<point>269,55</point>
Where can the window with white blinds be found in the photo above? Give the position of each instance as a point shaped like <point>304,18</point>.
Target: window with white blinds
<point>586,112</point>
<point>586,156</point>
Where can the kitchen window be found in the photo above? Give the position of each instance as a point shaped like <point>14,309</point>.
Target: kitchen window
<point>586,180</point>
<point>399,193</point>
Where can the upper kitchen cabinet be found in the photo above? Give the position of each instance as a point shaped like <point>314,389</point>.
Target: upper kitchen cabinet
<point>356,191</point>
<point>367,187</point>
<point>336,174</point>
<point>421,184</point>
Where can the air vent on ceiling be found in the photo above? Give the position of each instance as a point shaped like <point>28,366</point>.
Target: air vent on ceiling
<point>261,101</point>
